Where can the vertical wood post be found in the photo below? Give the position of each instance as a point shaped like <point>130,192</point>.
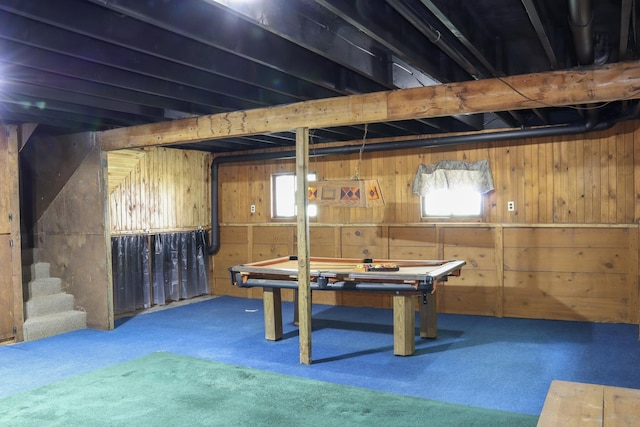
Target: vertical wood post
<point>442,291</point>
<point>633,315</point>
<point>304,285</point>
<point>13,173</point>
<point>106,215</point>
<point>498,235</point>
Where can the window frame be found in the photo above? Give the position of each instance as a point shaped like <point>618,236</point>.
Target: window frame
<point>453,218</point>
<point>312,176</point>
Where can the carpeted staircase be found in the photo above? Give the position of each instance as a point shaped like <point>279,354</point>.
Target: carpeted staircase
<point>48,310</point>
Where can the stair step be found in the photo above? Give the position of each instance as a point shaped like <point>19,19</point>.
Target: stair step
<point>54,324</point>
<point>40,270</point>
<point>44,286</point>
<point>30,256</point>
<point>36,270</point>
<point>48,304</point>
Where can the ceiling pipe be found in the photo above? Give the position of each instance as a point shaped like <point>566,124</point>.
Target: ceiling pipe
<point>580,20</point>
<point>588,126</point>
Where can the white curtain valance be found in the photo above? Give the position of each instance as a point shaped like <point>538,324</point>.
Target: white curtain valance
<point>452,175</point>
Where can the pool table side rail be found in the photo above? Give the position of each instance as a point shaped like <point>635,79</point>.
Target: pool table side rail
<point>417,279</point>
<point>406,272</point>
<point>349,262</point>
<point>395,288</point>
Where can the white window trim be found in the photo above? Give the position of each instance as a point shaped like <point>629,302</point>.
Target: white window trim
<point>312,209</point>
<point>454,205</point>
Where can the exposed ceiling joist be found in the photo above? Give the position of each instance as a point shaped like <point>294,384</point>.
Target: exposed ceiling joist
<point>95,65</point>
<point>541,31</point>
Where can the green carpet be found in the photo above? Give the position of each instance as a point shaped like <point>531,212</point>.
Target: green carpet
<point>165,389</point>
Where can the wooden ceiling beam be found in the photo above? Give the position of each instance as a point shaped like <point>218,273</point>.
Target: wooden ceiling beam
<point>612,82</point>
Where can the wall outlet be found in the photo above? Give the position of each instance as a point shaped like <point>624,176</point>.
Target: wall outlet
<point>253,208</point>
<point>511,206</point>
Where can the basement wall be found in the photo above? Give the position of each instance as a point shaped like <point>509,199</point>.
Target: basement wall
<point>70,230</point>
<point>569,251</point>
<point>11,308</point>
<point>158,190</point>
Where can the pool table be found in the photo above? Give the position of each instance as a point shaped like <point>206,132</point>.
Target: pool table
<point>404,279</point>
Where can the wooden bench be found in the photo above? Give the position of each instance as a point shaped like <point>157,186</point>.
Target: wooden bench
<point>578,404</point>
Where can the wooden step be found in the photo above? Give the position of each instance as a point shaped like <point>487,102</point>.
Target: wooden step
<point>578,404</point>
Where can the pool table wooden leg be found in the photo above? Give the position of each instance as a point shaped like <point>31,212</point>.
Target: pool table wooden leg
<point>272,313</point>
<point>295,308</point>
<point>428,317</point>
<point>404,324</point>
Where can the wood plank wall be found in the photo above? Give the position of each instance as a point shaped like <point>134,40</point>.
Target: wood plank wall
<point>576,273</point>
<point>584,179</point>
<point>569,251</point>
<point>71,233</point>
<point>162,190</point>
<point>563,273</point>
<point>7,321</point>
<point>11,304</point>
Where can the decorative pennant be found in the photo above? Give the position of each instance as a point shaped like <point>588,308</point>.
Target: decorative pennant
<point>356,193</point>
<point>312,193</point>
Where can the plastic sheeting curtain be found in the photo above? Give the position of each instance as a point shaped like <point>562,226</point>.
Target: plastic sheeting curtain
<point>176,270</point>
<point>131,278</point>
<point>179,266</point>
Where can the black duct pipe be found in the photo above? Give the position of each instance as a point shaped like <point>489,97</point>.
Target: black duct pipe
<point>387,146</point>
<point>580,21</point>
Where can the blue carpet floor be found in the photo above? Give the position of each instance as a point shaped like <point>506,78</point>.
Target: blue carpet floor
<point>505,364</point>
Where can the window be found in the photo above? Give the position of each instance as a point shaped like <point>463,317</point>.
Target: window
<point>283,196</point>
<point>452,203</point>
<point>452,188</point>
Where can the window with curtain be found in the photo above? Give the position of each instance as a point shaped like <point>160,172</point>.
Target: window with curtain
<point>452,188</point>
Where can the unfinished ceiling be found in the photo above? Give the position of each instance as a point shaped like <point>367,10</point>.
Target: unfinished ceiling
<point>86,65</point>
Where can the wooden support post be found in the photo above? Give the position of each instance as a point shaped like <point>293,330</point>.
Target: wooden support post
<point>632,312</point>
<point>442,290</point>
<point>14,209</point>
<point>295,308</point>
<point>304,267</point>
<point>106,215</point>
<point>499,245</point>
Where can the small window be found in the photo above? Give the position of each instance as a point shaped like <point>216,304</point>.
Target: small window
<point>450,203</point>
<point>283,195</point>
<point>453,188</point>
